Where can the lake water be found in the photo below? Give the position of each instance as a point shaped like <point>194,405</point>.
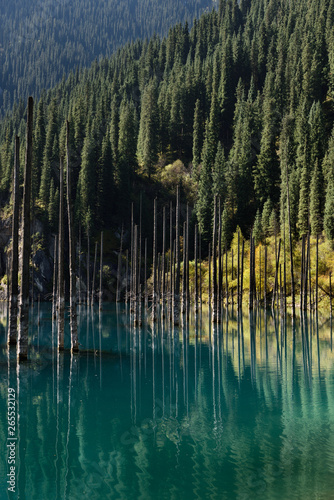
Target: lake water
<point>242,411</point>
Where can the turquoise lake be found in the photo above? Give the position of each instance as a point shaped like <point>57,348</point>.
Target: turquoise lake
<point>242,411</point>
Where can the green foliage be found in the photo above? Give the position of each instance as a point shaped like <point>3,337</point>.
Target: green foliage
<point>329,212</point>
<point>244,96</point>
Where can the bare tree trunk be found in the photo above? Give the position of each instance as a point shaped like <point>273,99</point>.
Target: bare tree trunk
<point>154,299</point>
<point>176,314</point>
<point>317,275</point>
<point>72,267</point>
<point>184,274</point>
<point>219,299</point>
<point>101,273</point>
<point>54,292</point>
<point>196,269</point>
<point>214,256</point>
<point>126,275</point>
<point>61,301</point>
<point>163,258</point>
<point>119,269</point>
<point>145,276</point>
<point>291,252</point>
<point>135,258</point>
<point>209,262</point>
<point>14,288</point>
<point>22,351</point>
<point>94,273</point>
<point>88,267</point>
<point>79,265</point>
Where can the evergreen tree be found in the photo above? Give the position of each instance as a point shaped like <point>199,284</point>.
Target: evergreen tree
<point>147,146</point>
<point>197,138</point>
<point>329,212</point>
<point>315,201</point>
<point>218,186</point>
<point>257,229</point>
<point>303,208</point>
<point>227,232</point>
<point>265,218</point>
<point>204,197</point>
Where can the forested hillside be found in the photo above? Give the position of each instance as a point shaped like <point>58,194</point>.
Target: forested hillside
<point>41,40</point>
<point>240,106</point>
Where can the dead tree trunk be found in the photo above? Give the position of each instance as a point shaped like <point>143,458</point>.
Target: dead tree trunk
<point>14,288</point>
<point>154,300</point>
<point>61,301</point>
<point>72,267</point>
<point>196,270</point>
<point>101,273</point>
<point>219,298</point>
<point>119,268</point>
<point>54,292</point>
<point>22,351</point>
<point>94,273</point>
<point>176,312</point>
<point>163,259</point>
<point>214,256</point>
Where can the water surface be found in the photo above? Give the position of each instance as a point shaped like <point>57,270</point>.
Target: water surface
<point>240,411</point>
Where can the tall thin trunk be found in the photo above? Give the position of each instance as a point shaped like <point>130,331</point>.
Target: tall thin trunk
<point>242,271</point>
<point>317,274</point>
<point>170,295</point>
<point>209,262</point>
<point>72,267</point>
<point>214,256</point>
<point>94,274</point>
<point>196,269</point>
<point>276,274</point>
<point>61,301</point>
<point>265,278</point>
<point>238,274</point>
<point>88,267</point>
<point>330,294</point>
<point>154,299</point>
<point>79,252</point>
<point>119,269</point>
<point>135,258</point>
<point>14,288</point>
<point>251,274</point>
<point>219,299</point>
<point>291,251</point>
<point>22,351</point>
<point>176,313</point>
<point>145,276</point>
<point>101,272</point>
<point>187,263</point>
<point>184,274</point>
<point>163,258</point>
<point>54,292</point>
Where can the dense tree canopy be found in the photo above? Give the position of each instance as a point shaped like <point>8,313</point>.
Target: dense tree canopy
<point>244,99</point>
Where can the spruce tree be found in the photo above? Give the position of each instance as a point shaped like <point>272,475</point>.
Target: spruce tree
<point>315,201</point>
<point>265,218</point>
<point>329,212</point>
<point>218,186</point>
<point>257,228</point>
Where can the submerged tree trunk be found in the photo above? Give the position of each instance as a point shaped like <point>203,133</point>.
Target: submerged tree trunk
<point>61,300</point>
<point>72,266</point>
<point>176,314</point>
<point>154,300</point>
<point>14,288</point>
<point>22,352</point>
<point>54,291</point>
